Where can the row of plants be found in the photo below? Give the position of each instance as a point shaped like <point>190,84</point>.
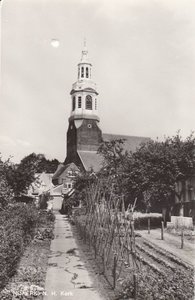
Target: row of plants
<point>156,258</point>
<point>169,255</point>
<point>31,261</point>
<point>18,223</point>
<point>155,286</point>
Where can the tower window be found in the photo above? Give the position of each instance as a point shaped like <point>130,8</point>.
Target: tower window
<point>79,102</point>
<point>88,103</point>
<point>95,104</point>
<point>82,72</point>
<point>73,103</point>
<point>87,73</point>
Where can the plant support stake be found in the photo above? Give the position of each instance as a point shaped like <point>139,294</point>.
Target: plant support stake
<point>162,231</point>
<point>182,239</point>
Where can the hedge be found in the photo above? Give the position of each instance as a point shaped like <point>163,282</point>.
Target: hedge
<point>141,220</point>
<point>17,227</point>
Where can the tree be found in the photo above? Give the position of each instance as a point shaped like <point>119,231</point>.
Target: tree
<point>82,184</point>
<point>113,155</point>
<point>156,167</point>
<point>6,193</point>
<point>114,160</point>
<point>20,176</point>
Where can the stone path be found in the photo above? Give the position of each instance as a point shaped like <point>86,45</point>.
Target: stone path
<point>67,276</point>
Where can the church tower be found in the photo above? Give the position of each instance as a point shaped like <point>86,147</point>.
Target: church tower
<point>84,134</point>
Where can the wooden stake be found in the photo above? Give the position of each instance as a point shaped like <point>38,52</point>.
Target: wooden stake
<point>182,239</point>
<point>162,230</point>
<point>135,286</point>
<point>149,225</point>
<point>95,249</point>
<point>114,271</point>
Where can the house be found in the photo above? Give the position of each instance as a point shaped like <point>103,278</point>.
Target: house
<point>64,176</point>
<point>42,184</point>
<point>186,206</point>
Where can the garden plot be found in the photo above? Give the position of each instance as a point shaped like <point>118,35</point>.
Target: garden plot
<point>134,267</point>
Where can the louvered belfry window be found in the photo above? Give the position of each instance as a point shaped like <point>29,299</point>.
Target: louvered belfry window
<point>79,102</point>
<point>88,102</point>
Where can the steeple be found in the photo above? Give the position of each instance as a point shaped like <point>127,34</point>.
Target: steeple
<point>84,93</point>
<point>83,132</point>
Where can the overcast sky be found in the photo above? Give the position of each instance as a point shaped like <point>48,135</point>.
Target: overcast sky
<point>143,56</point>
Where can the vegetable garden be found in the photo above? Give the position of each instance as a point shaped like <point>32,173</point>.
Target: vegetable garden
<point>133,266</point>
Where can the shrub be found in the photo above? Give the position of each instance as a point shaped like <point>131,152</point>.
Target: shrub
<point>141,220</point>
<point>44,198</point>
<point>17,226</point>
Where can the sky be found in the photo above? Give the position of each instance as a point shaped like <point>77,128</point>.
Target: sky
<point>143,56</point>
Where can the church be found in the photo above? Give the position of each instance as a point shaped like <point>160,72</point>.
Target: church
<point>84,134</point>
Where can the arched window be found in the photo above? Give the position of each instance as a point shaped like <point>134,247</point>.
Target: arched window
<point>87,72</point>
<point>88,103</point>
<point>73,103</point>
<point>82,72</point>
<point>79,102</point>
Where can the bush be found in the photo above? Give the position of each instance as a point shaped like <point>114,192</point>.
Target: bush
<point>44,198</point>
<point>141,220</point>
<point>17,227</point>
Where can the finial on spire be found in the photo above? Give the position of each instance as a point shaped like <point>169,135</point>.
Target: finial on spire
<point>84,51</point>
<point>85,42</point>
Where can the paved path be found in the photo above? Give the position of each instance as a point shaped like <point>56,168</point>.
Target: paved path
<point>67,277</point>
<point>172,244</point>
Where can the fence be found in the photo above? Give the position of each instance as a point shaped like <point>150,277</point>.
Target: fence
<point>111,236</point>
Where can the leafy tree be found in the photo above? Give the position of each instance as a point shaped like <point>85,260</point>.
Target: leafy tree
<point>114,161</point>
<point>155,168</point>
<point>6,193</point>
<point>82,183</point>
<point>20,176</point>
<point>113,155</point>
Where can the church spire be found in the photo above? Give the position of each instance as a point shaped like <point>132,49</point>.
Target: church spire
<point>84,66</point>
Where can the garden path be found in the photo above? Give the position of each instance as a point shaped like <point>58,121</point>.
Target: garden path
<point>67,277</point>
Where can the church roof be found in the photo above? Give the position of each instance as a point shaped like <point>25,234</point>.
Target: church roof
<point>86,89</point>
<point>131,143</point>
<point>91,160</point>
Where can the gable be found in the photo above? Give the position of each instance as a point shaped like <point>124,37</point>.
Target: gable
<point>91,160</point>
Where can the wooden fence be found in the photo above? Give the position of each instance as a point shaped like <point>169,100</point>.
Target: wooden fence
<point>110,235</point>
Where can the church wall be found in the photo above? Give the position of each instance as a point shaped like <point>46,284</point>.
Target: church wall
<point>89,136</point>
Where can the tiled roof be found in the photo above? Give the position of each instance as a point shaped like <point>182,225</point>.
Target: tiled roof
<point>131,143</point>
<point>61,168</point>
<point>59,171</point>
<point>91,160</point>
